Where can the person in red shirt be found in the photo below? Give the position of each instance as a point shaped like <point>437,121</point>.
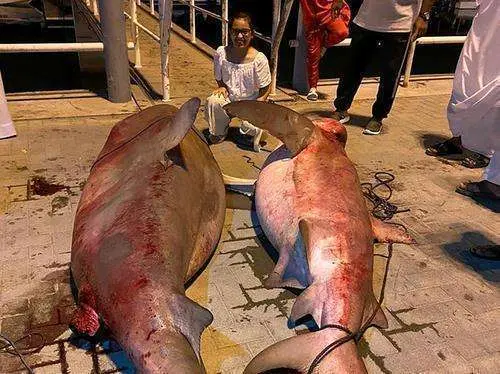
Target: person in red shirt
<point>325,24</point>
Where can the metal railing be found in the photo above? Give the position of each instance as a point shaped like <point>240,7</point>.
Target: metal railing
<point>428,40</point>
<point>55,47</point>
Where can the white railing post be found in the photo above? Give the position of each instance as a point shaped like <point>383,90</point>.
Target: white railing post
<point>135,34</point>
<point>225,24</point>
<point>152,6</point>
<point>165,25</point>
<point>275,46</point>
<point>409,63</point>
<point>192,21</point>
<point>276,19</point>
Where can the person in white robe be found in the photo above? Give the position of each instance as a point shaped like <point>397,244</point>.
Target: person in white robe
<point>474,107</point>
<point>7,129</point>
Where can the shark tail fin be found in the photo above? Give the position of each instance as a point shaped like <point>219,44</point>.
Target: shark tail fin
<point>298,355</point>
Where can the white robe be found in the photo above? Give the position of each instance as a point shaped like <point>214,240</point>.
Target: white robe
<point>474,108</point>
<point>6,126</point>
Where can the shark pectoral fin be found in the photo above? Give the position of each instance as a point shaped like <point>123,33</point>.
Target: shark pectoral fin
<point>390,233</point>
<point>291,269</point>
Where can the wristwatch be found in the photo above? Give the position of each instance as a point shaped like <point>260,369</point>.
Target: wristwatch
<point>426,16</point>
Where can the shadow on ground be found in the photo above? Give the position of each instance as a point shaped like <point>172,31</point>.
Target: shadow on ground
<point>460,251</point>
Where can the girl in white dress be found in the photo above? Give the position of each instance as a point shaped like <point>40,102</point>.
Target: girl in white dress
<point>242,73</point>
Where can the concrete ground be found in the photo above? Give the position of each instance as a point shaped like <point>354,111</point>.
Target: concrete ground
<point>442,303</point>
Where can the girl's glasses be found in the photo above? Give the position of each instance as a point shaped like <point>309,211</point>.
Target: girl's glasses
<point>244,32</point>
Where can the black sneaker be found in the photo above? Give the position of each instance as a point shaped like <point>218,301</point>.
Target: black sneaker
<point>373,127</point>
<point>341,115</point>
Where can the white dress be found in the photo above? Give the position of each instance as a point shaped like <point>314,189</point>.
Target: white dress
<point>243,82</point>
<point>474,108</point>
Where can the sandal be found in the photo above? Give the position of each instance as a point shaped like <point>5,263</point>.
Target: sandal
<point>489,252</point>
<point>448,147</point>
<point>483,190</point>
<point>312,95</point>
<point>475,160</point>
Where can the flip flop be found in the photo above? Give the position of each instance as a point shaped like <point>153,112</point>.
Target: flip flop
<point>477,190</point>
<point>448,147</point>
<point>488,252</point>
<point>475,160</point>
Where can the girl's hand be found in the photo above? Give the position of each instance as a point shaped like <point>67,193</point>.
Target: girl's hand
<point>221,92</point>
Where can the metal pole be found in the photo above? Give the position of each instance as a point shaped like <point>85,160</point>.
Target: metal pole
<point>276,17</point>
<point>409,63</point>
<point>192,21</point>
<point>225,25</point>
<point>115,50</point>
<point>299,81</point>
<point>165,25</point>
<point>135,34</point>
<point>152,7</point>
<point>280,29</point>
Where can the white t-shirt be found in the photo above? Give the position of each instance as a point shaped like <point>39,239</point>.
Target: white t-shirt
<point>242,80</point>
<point>388,15</point>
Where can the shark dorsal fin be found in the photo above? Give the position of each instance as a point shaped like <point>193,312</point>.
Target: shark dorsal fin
<point>179,122</point>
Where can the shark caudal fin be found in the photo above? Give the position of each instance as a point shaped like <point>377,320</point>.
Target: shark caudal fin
<point>301,354</point>
<point>290,127</point>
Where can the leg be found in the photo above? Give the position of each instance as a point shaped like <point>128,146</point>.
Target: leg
<point>363,45</point>
<point>313,39</point>
<point>395,46</point>
<point>246,128</point>
<point>216,116</point>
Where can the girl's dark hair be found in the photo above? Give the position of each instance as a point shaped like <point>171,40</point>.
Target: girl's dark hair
<point>241,15</point>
